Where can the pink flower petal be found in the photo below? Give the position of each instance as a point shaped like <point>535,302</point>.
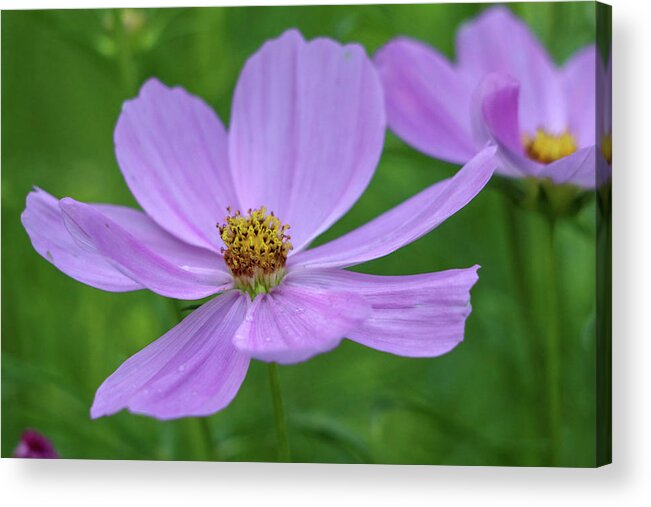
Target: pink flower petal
<point>497,41</point>
<point>427,101</point>
<point>306,132</point>
<point>416,316</point>
<point>579,83</point>
<point>296,321</point>
<point>44,224</point>
<point>192,370</point>
<point>406,222</point>
<point>145,253</point>
<point>495,114</point>
<point>172,150</point>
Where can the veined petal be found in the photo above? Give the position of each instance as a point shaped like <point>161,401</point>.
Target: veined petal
<point>579,83</point>
<point>497,41</point>
<point>427,102</point>
<point>172,150</point>
<point>44,224</point>
<point>406,222</point>
<point>295,322</point>
<point>192,370</point>
<point>417,315</point>
<point>153,260</point>
<point>307,130</point>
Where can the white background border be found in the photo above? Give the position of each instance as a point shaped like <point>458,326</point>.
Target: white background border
<point>626,482</point>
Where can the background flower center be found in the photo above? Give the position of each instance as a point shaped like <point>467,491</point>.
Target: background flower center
<point>546,148</point>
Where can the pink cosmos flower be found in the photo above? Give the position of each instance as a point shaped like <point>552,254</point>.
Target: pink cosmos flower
<point>504,88</point>
<point>34,445</point>
<point>307,128</point>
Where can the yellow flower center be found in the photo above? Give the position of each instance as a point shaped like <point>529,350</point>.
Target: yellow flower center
<point>607,148</point>
<point>546,148</point>
<point>256,249</point>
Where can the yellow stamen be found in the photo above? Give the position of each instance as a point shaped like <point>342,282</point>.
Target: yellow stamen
<point>547,148</point>
<point>256,249</point>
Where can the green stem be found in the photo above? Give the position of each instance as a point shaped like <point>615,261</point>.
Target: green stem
<point>282,435</point>
<point>208,438</point>
<point>526,306</point>
<point>125,60</point>
<point>552,346</point>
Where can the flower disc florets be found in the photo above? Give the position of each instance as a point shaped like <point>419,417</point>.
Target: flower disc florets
<point>546,148</point>
<point>256,249</point>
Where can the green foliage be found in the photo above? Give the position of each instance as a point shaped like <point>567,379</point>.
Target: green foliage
<point>65,75</point>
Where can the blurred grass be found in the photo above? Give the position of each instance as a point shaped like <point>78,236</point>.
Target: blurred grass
<point>64,77</point>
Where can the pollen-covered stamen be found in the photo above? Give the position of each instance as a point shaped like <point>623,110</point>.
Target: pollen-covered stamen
<point>256,250</point>
<point>546,148</point>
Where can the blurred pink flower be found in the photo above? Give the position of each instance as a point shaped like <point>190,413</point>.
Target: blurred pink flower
<point>503,89</point>
<point>34,445</point>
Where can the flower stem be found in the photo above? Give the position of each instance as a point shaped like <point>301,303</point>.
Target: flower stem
<point>208,439</point>
<point>282,435</point>
<point>520,266</point>
<point>552,345</point>
<point>124,53</point>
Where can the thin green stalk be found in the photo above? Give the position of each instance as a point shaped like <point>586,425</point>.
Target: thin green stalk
<point>124,54</point>
<point>282,435</point>
<point>526,305</point>
<point>208,438</point>
<point>552,346</point>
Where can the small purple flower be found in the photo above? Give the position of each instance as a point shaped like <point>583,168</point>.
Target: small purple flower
<point>307,129</point>
<point>34,445</point>
<point>503,89</point>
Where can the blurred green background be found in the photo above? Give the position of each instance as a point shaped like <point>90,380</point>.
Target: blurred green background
<point>65,75</point>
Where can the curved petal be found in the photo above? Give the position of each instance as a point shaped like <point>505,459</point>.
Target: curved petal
<point>192,370</point>
<point>427,101</point>
<point>406,222</point>
<point>497,41</point>
<point>496,116</point>
<point>498,97</point>
<point>205,264</point>
<point>153,260</point>
<point>307,130</point>
<point>579,168</point>
<point>579,83</point>
<point>172,150</point>
<point>44,224</point>
<point>416,316</point>
<point>295,322</point>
